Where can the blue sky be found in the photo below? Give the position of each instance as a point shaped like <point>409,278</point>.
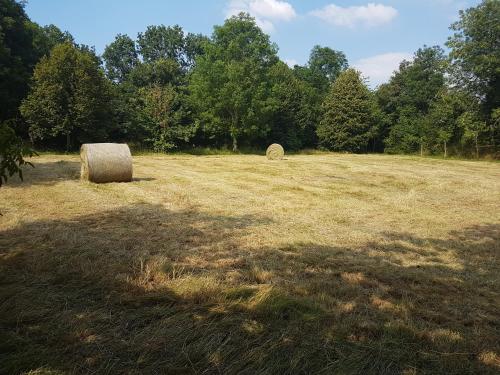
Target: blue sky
<point>375,35</point>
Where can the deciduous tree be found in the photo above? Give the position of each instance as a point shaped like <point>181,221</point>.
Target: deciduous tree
<point>69,97</point>
<point>412,90</point>
<point>161,42</point>
<point>348,114</point>
<point>473,127</point>
<point>120,58</point>
<point>17,57</point>
<point>475,53</point>
<point>230,84</point>
<point>293,109</point>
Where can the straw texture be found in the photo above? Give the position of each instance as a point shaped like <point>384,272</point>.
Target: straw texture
<point>275,152</point>
<point>106,162</point>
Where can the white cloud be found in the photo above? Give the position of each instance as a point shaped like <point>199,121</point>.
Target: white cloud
<point>378,69</point>
<point>367,15</point>
<point>266,12</point>
<point>291,62</point>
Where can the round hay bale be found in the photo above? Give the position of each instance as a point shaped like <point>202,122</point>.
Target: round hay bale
<point>106,162</point>
<point>275,152</point>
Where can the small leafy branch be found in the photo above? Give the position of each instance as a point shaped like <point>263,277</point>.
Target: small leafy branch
<point>12,154</point>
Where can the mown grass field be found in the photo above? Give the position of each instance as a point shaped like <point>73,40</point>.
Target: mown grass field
<point>318,264</point>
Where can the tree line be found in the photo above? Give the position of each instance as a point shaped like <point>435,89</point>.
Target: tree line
<point>169,90</point>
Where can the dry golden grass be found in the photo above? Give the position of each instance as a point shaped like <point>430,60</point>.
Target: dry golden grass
<point>348,264</point>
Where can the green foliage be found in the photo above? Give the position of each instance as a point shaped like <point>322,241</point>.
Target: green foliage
<point>495,128</point>
<point>230,84</point>
<point>495,123</point>
<point>128,125</point>
<point>293,116</point>
<point>159,72</point>
<point>325,65</point>
<point>407,98</point>
<point>348,114</point>
<point>12,153</point>
<point>120,57</point>
<point>17,57</point>
<point>442,119</point>
<point>150,104</point>
<point>322,69</point>
<point>47,37</point>
<point>472,129</point>
<point>475,53</point>
<point>70,97</point>
<point>22,43</point>
<point>194,45</point>
<point>164,117</point>
<point>421,112</point>
<point>161,42</point>
<point>170,89</point>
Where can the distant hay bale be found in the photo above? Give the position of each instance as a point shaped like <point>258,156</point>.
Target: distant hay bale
<point>106,162</point>
<point>275,152</point>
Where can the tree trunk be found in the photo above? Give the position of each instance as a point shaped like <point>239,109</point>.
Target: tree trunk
<point>477,147</point>
<point>445,151</point>
<point>421,149</point>
<point>234,120</point>
<point>492,134</point>
<point>235,143</point>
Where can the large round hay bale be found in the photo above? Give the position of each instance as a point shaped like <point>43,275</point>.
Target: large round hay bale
<point>275,152</point>
<point>106,162</point>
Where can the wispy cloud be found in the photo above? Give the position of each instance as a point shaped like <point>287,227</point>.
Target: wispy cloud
<point>378,69</point>
<point>366,15</point>
<point>291,62</point>
<point>266,12</point>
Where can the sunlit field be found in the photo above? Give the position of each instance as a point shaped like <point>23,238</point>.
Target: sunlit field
<point>326,263</point>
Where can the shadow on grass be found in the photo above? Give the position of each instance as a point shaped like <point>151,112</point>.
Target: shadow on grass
<point>46,173</point>
<point>141,289</point>
<point>53,172</point>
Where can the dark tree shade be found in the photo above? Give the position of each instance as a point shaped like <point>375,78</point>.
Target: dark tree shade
<point>47,37</point>
<point>293,115</point>
<point>17,57</point>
